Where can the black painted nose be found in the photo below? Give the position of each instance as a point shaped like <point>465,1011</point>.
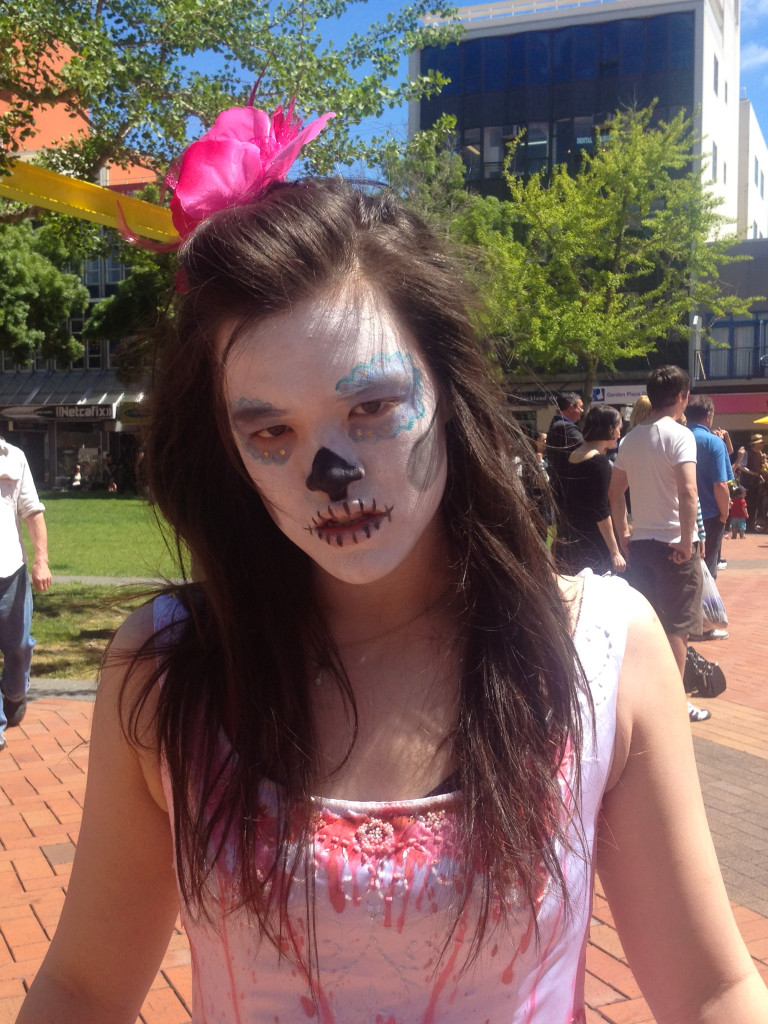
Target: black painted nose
<point>332,474</point>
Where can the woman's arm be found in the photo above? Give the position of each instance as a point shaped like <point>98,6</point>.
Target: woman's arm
<point>121,902</point>
<point>605,526</point>
<point>656,859</point>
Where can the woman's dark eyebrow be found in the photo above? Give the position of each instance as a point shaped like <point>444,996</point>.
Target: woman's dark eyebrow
<point>246,415</point>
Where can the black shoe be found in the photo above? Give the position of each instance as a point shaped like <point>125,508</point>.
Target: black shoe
<point>698,714</point>
<point>3,744</point>
<point>14,711</point>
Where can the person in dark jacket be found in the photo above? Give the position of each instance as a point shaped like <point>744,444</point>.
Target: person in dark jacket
<point>563,437</point>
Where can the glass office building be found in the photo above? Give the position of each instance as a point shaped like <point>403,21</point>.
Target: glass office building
<point>554,88</point>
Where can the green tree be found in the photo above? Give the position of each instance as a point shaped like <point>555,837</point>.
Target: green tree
<point>588,268</point>
<point>430,175</point>
<point>133,75</point>
<point>35,297</point>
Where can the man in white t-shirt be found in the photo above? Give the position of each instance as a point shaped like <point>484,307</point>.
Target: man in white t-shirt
<point>18,501</point>
<point>657,462</point>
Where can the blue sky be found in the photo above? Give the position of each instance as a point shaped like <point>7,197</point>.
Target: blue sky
<point>754,59</point>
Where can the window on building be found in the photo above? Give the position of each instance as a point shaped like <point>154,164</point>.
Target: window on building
<point>681,36</point>
<point>516,61</point>
<point>538,146</point>
<point>762,184</point>
<point>716,75</point>
<point>93,355</point>
<point>7,362</point>
<point>494,63</point>
<point>41,363</point>
<point>725,91</point>
<point>714,161</point>
<point>725,173</point>
<point>656,43</point>
<point>448,62</point>
<point>632,36</point>
<point>470,153</point>
<point>473,59</point>
<point>609,49</point>
<point>562,55</point>
<point>538,58</point>
<point>92,273</point>
<point>493,152</point>
<point>584,52</point>
<point>757,171</point>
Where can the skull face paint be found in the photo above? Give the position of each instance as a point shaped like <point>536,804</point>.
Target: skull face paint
<point>330,405</point>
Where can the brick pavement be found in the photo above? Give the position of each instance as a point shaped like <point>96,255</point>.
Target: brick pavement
<point>42,782</point>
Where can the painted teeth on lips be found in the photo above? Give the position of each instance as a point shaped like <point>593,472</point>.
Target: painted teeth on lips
<point>348,520</point>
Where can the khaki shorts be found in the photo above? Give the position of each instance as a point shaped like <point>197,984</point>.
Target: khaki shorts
<point>673,589</point>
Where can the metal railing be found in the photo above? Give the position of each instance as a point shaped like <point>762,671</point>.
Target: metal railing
<point>512,8</point>
<point>515,8</point>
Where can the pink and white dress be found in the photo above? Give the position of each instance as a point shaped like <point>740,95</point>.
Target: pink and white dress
<point>387,883</point>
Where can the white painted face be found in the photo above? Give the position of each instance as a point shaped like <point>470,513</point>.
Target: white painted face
<point>337,420</point>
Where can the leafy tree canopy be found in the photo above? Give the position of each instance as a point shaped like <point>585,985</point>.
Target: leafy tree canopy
<point>603,264</point>
<point>131,71</point>
<point>36,297</point>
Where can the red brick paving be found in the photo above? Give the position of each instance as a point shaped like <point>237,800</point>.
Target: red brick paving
<point>42,781</point>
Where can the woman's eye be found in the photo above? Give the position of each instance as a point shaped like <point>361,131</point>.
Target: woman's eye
<point>372,407</point>
<point>272,431</point>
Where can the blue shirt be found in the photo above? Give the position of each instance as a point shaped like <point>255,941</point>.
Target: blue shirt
<point>712,467</point>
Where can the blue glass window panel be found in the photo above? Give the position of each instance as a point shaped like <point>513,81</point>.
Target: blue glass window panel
<point>473,59</point>
<point>632,39</point>
<point>494,63</point>
<point>448,62</point>
<point>656,43</point>
<point>680,40</point>
<point>516,63</point>
<point>584,52</point>
<point>562,55</point>
<point>538,58</point>
<point>609,49</point>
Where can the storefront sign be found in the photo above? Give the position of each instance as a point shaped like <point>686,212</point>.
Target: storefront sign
<point>618,395</point>
<point>59,412</point>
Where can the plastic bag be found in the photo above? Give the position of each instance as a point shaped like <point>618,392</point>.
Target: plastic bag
<point>711,602</point>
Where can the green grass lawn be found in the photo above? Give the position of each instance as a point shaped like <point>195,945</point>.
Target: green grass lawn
<point>72,625</point>
<point>100,534</point>
<point>92,534</point>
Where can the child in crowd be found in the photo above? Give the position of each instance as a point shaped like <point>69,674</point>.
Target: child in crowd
<point>739,513</point>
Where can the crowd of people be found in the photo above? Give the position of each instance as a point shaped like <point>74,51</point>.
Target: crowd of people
<point>682,480</point>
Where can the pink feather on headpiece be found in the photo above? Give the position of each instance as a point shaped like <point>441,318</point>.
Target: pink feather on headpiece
<point>244,152</point>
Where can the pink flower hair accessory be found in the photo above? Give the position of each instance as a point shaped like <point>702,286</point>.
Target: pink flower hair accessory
<point>244,152</point>
<point>238,158</point>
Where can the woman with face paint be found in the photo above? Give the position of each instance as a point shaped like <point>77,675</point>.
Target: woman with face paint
<point>376,749</point>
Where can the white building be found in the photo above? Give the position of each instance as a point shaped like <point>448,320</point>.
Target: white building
<point>559,68</point>
<point>753,167</point>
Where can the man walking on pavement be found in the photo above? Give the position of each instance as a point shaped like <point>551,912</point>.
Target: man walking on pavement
<point>713,471</point>
<point>18,501</point>
<point>563,437</point>
<point>657,461</point>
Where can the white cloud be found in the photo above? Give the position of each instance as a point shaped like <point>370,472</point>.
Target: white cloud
<point>753,55</point>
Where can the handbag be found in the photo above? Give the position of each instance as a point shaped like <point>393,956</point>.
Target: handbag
<point>703,677</point>
<point>711,603</point>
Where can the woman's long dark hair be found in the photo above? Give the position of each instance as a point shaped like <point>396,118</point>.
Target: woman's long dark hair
<point>239,668</point>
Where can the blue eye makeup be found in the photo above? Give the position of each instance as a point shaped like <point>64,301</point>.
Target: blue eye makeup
<point>391,392</point>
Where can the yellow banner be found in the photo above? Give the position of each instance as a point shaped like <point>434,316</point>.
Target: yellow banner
<point>37,186</point>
